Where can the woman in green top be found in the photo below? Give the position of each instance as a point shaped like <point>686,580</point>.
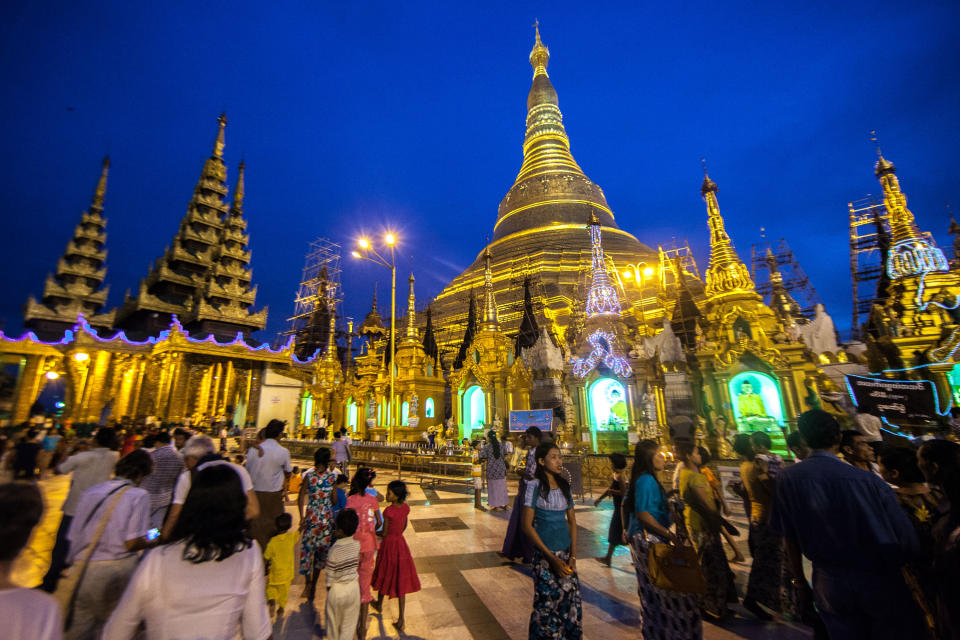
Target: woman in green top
<point>702,516</point>
<point>551,527</point>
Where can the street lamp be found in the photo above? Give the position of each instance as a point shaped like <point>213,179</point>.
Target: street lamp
<point>369,253</point>
<point>640,272</point>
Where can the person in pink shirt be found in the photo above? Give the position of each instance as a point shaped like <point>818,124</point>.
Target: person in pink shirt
<point>367,509</point>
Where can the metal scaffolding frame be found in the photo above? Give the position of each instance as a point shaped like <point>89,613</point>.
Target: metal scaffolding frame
<point>795,281</point>
<point>867,217</point>
<point>320,282</point>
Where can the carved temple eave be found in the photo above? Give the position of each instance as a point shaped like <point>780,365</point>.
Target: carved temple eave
<point>82,269</point>
<point>85,251</point>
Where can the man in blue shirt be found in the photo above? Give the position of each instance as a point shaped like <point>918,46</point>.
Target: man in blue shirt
<point>848,523</point>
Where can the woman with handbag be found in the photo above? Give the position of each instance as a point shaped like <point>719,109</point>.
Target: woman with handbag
<point>208,581</point>
<point>551,527</point>
<point>108,529</point>
<point>665,613</point>
<point>703,520</point>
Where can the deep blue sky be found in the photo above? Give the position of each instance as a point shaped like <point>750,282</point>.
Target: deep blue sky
<point>354,116</point>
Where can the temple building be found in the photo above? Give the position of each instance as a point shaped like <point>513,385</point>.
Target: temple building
<point>77,287</point>
<point>204,276</point>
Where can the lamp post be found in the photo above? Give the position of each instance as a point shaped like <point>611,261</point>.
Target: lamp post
<point>640,272</point>
<point>369,253</point>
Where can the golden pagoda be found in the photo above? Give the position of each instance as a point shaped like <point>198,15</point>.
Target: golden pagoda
<point>491,381</point>
<point>77,287</point>
<point>204,277</point>
<point>917,327</point>
<point>754,374</point>
<point>539,228</point>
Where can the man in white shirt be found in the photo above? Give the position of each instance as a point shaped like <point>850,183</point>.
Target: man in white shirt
<point>870,426</point>
<point>341,452</point>
<point>89,468</point>
<point>198,453</point>
<point>269,469</point>
<point>167,467</point>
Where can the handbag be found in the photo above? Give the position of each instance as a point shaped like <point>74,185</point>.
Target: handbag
<point>66,591</point>
<point>675,568</point>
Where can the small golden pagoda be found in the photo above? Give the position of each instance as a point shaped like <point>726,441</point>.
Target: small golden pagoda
<point>917,327</point>
<point>77,288</point>
<point>753,373</point>
<point>326,390</point>
<point>491,380</point>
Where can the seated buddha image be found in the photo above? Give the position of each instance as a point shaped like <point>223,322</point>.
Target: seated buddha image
<point>617,420</point>
<point>753,413</point>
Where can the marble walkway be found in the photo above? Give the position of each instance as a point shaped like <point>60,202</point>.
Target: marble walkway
<point>468,589</point>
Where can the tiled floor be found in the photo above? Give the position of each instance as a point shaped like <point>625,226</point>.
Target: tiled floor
<point>468,589</point>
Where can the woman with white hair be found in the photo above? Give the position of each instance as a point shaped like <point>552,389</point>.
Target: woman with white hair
<point>199,453</point>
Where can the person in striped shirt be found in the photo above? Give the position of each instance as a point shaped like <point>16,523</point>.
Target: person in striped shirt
<point>343,584</point>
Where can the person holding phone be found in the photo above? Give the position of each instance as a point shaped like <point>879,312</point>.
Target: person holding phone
<point>114,558</point>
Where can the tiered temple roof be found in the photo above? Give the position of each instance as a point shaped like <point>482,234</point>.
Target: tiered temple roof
<point>204,276</point>
<point>77,286</point>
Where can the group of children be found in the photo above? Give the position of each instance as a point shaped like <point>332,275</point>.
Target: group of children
<point>353,565</point>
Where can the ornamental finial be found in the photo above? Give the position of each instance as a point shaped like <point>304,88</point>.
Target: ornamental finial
<point>883,165</point>
<point>708,184</point>
<point>101,191</point>
<point>236,207</point>
<point>219,144</point>
<point>539,55</point>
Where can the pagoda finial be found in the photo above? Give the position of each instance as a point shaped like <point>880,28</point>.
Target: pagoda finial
<point>491,321</point>
<point>411,311</point>
<point>373,307</point>
<point>539,55</point>
<point>101,191</point>
<point>236,207</point>
<point>331,354</point>
<point>726,273</point>
<point>220,144</point>
<point>708,184</point>
<point>602,298</point>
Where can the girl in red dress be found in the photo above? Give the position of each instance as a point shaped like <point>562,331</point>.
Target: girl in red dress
<point>395,574</point>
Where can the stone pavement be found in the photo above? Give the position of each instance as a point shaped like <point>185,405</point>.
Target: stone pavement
<point>468,590</point>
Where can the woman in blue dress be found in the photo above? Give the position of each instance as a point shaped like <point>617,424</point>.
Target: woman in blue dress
<point>664,615</point>
<point>551,527</point>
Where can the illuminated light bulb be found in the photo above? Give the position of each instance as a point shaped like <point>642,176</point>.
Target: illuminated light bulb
<point>52,375</point>
<point>648,272</point>
<point>363,243</point>
<point>81,356</point>
<point>355,254</point>
<point>627,274</point>
<point>390,239</point>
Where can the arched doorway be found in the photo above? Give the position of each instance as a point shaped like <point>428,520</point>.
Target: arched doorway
<point>474,408</point>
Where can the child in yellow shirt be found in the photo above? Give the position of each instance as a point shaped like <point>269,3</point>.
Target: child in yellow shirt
<point>280,557</point>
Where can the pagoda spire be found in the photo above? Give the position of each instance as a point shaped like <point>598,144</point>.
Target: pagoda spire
<point>726,273</point>
<point>911,251</point>
<point>529,332</point>
<point>411,312</point>
<point>331,354</point>
<point>429,339</point>
<point>77,286</point>
<point>491,322</point>
<point>781,301</point>
<point>236,206</point>
<point>468,334</point>
<point>602,298</point>
<point>546,147</point>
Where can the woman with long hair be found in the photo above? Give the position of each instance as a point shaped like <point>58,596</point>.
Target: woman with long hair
<point>315,502</point>
<point>664,615</point>
<point>939,461</point>
<point>701,515</point>
<point>551,526</point>
<point>208,580</point>
<point>496,472</point>
<point>368,511</point>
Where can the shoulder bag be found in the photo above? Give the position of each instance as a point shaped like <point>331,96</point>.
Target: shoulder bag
<point>66,591</point>
<point>675,567</point>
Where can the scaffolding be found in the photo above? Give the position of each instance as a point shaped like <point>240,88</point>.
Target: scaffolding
<point>868,219</point>
<point>795,281</point>
<point>316,298</point>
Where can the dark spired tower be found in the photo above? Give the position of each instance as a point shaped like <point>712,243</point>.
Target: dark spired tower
<point>540,230</point>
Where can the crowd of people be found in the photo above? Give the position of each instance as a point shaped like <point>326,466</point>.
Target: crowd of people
<point>172,524</point>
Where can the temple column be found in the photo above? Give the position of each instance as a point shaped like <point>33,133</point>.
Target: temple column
<point>28,386</point>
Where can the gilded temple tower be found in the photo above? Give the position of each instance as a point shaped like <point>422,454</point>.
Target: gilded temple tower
<point>753,372</point>
<point>77,286</point>
<point>204,276</point>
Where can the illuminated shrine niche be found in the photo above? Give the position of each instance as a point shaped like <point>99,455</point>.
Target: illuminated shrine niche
<point>608,405</point>
<point>755,401</point>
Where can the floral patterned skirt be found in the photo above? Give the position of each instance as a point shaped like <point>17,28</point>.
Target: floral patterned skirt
<point>765,584</point>
<point>664,615</point>
<point>557,609</point>
<point>721,585</point>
